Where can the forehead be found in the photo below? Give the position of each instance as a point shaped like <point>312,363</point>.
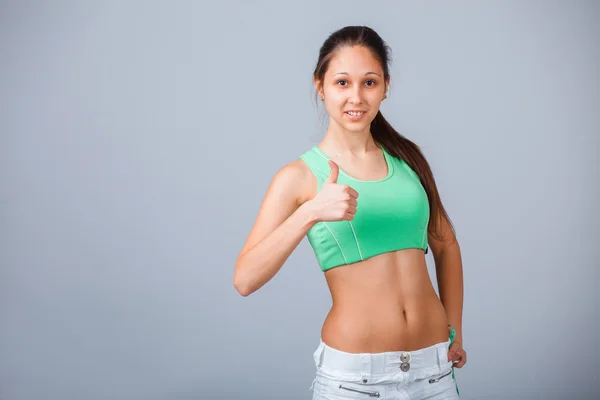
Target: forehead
<point>355,60</point>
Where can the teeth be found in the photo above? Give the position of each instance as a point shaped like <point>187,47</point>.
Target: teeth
<point>355,114</point>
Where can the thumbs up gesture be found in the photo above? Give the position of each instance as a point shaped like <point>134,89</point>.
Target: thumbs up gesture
<point>333,175</point>
<point>335,202</point>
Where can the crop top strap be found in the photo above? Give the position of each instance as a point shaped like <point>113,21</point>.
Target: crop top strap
<point>317,164</point>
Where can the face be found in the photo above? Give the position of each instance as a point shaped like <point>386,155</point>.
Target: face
<point>353,87</point>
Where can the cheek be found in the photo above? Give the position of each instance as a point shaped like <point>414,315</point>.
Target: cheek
<point>335,103</point>
<point>375,97</point>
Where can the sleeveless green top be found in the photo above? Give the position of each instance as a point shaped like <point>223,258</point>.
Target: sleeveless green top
<point>392,214</point>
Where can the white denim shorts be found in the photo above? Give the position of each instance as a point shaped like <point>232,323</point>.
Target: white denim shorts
<point>399,375</point>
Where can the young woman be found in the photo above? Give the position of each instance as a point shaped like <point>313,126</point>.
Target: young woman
<point>366,199</point>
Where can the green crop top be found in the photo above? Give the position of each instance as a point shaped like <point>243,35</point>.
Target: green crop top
<point>392,214</point>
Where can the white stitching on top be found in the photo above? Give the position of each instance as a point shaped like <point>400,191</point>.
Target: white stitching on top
<point>338,243</point>
<point>355,238</point>
<point>319,153</point>
<point>315,171</point>
<point>326,226</point>
<point>351,226</point>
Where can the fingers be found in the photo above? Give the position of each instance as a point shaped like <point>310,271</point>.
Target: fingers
<point>342,194</point>
<point>462,356</point>
<point>351,202</point>
<point>333,177</point>
<point>457,355</point>
<point>459,363</point>
<point>452,356</point>
<point>352,192</point>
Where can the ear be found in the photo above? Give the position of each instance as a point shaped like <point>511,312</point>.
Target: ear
<point>318,85</point>
<point>387,84</point>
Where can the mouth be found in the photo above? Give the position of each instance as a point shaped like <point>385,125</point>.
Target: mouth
<point>355,115</point>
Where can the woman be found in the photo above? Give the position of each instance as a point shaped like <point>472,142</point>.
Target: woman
<point>366,199</point>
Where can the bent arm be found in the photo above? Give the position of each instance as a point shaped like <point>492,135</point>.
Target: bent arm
<point>281,224</point>
<point>449,274</point>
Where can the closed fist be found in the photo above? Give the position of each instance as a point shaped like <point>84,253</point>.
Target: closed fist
<point>335,202</point>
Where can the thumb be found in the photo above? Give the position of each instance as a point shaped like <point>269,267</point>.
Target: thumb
<point>333,175</point>
<point>451,354</point>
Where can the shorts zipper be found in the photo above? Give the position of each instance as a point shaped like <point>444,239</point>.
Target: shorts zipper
<point>440,377</point>
<point>371,394</point>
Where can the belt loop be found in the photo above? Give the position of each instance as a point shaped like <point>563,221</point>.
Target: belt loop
<point>365,367</point>
<point>317,355</point>
<point>443,351</point>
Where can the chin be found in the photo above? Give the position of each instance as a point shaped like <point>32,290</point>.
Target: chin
<point>356,127</point>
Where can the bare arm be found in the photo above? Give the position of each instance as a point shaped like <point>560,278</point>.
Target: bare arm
<point>449,273</point>
<point>285,217</point>
<point>281,224</point>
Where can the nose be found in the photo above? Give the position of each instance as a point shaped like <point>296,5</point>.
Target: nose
<point>356,95</point>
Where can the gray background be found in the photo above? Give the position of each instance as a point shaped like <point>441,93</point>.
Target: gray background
<point>138,139</point>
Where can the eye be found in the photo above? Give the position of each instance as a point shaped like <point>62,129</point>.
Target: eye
<point>343,82</point>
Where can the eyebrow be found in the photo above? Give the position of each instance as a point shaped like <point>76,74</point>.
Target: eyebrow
<point>345,73</point>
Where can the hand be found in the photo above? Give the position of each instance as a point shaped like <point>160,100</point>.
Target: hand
<point>335,202</point>
<point>457,354</point>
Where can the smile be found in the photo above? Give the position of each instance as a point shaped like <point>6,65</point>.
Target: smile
<point>355,115</point>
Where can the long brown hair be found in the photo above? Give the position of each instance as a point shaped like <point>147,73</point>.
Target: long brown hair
<point>383,133</point>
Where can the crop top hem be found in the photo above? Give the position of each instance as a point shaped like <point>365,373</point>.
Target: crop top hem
<point>327,268</point>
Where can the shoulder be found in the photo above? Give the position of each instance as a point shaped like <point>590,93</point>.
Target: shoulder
<point>295,179</point>
<point>292,172</point>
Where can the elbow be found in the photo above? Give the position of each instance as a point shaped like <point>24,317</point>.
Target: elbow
<point>243,290</point>
<point>241,285</point>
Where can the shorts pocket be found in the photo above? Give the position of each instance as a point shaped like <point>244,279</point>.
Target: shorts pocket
<point>440,386</point>
<point>339,389</point>
<point>359,390</point>
<point>440,377</point>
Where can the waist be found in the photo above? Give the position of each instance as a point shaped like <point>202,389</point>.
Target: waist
<point>398,365</point>
<point>384,327</point>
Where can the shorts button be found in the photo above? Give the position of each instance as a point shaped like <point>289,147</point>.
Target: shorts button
<point>405,357</point>
<point>364,381</point>
<point>405,366</point>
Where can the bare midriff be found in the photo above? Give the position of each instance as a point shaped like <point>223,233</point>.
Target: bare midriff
<point>384,303</point>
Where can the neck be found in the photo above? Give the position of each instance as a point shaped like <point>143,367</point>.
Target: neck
<point>343,141</point>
